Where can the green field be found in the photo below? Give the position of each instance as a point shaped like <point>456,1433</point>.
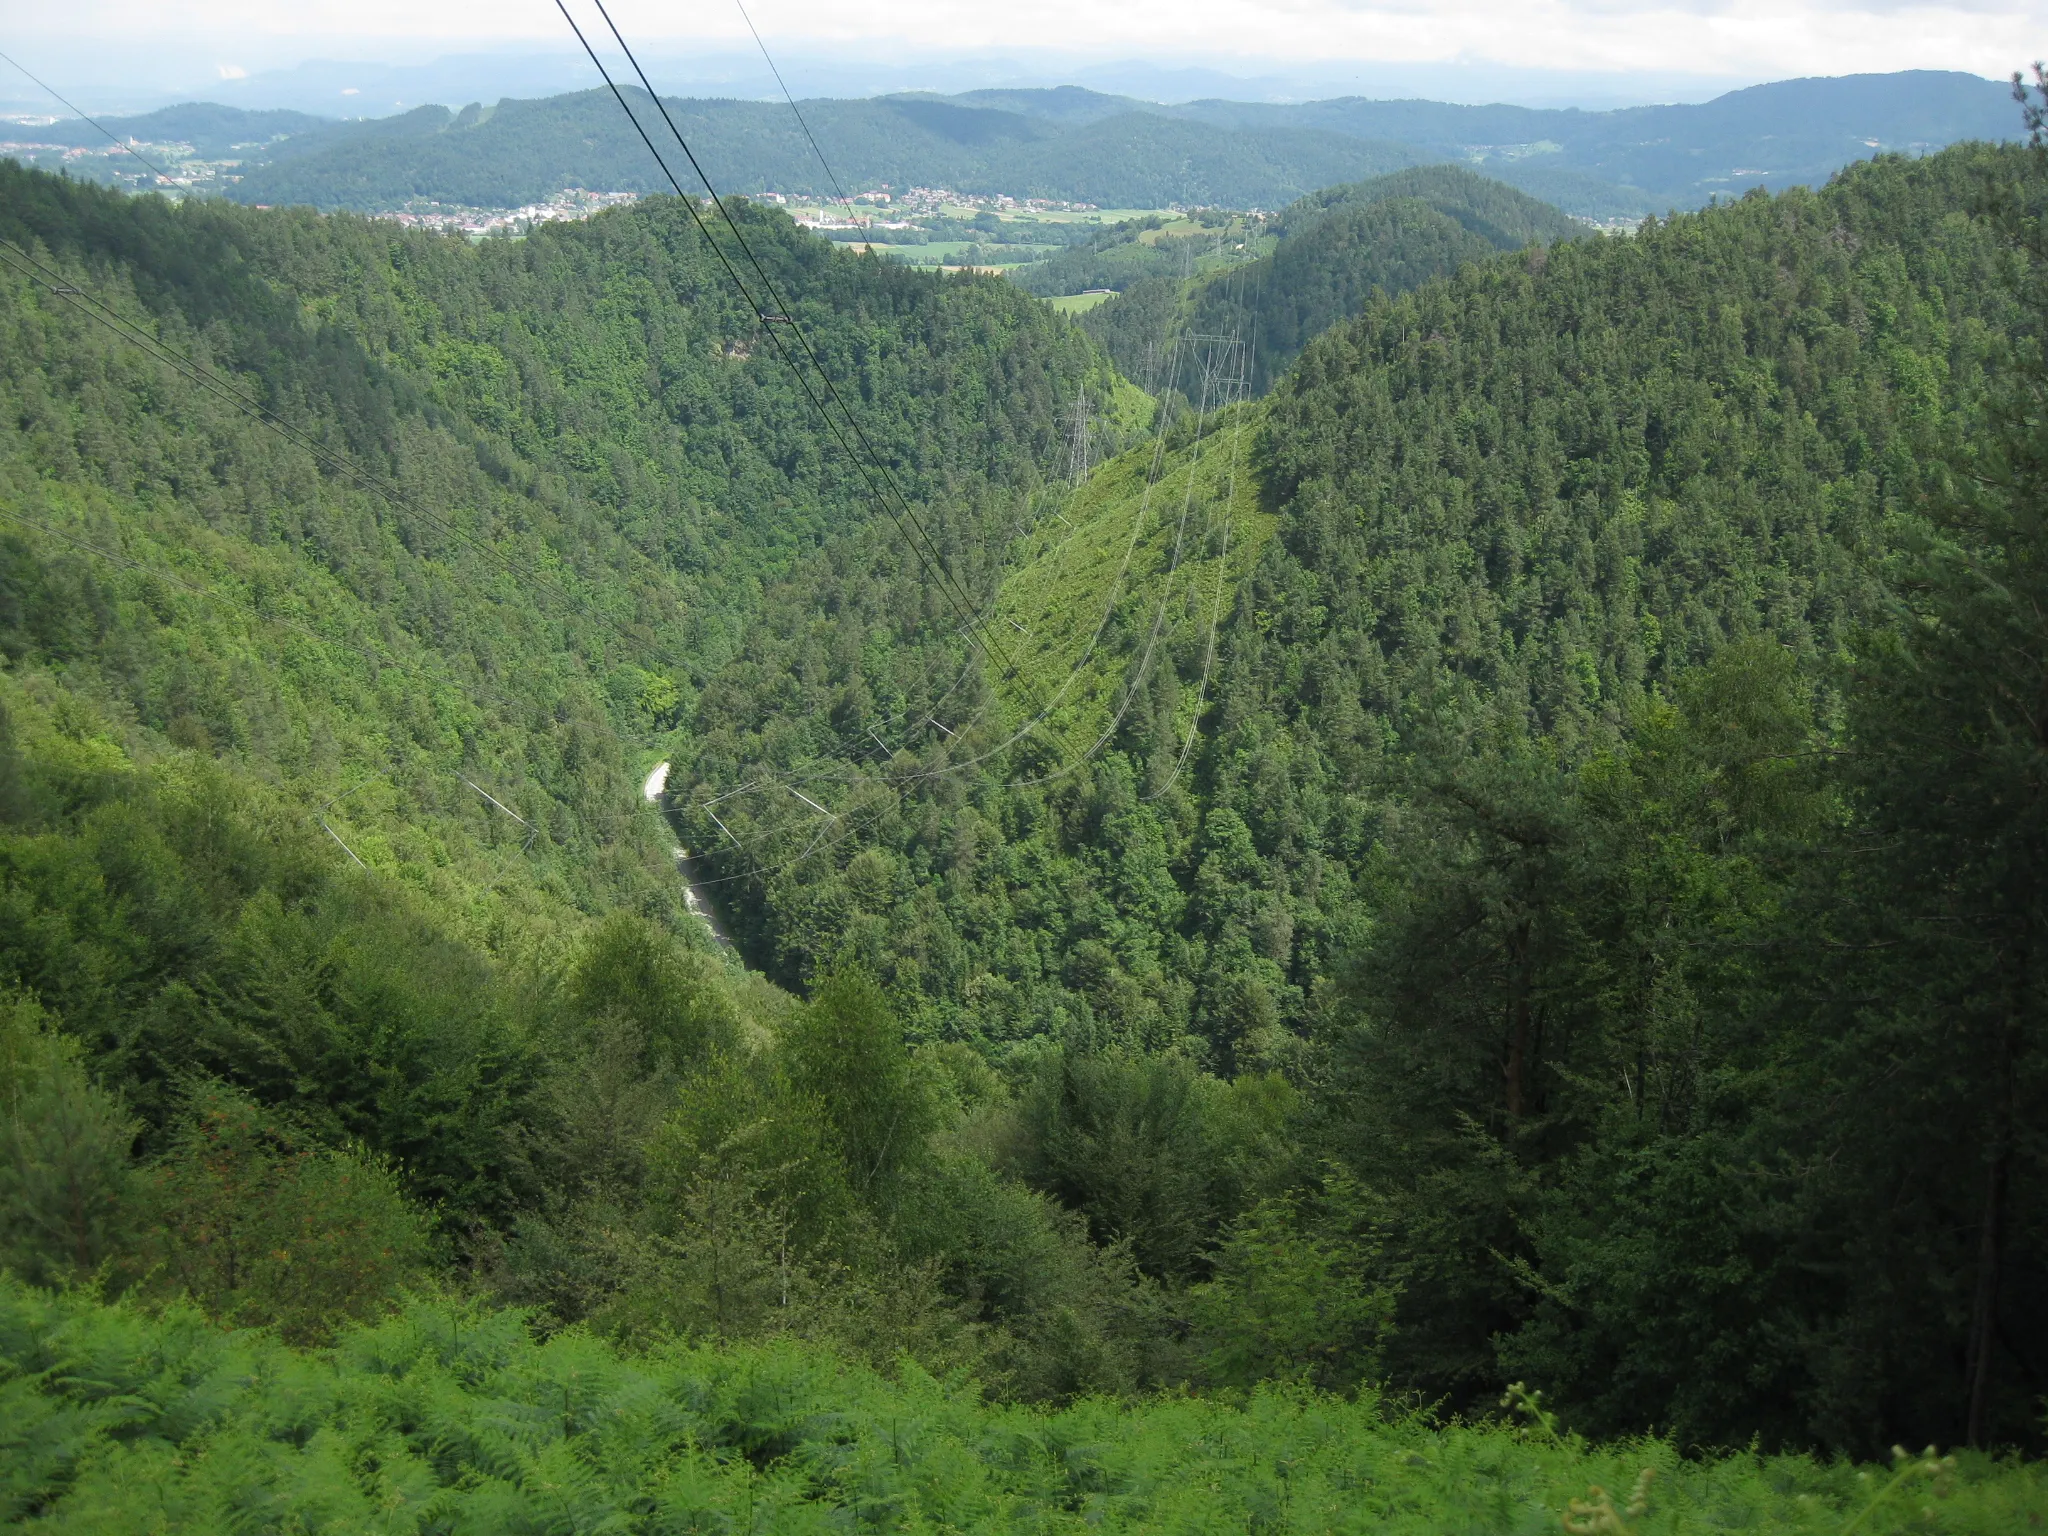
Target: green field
<point>948,253</point>
<point>1079,303</point>
<point>1140,549</point>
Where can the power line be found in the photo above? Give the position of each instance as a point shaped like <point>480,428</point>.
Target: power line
<point>846,202</point>
<point>1179,350</point>
<point>1241,392</point>
<point>160,174</point>
<point>1222,580</point>
<point>809,137</point>
<point>1044,710</point>
<point>1159,618</point>
<point>1211,372</point>
<point>927,553</point>
<point>851,826</point>
<point>900,512</point>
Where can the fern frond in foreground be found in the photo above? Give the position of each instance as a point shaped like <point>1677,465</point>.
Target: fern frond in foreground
<point>452,1420</point>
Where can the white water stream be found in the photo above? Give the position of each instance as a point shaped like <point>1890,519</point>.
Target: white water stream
<point>695,899</point>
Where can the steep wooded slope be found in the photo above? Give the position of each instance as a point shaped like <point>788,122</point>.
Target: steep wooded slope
<point>1537,830</point>
<point>597,456</point>
<point>1537,489</point>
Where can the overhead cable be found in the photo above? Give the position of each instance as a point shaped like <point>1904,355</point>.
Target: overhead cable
<point>912,530</point>
<point>161,174</point>
<point>809,137</point>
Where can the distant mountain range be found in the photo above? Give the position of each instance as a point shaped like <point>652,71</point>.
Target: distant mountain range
<point>1074,144</point>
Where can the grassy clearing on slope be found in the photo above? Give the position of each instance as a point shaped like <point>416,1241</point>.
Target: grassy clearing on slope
<point>455,1419</point>
<point>1079,303</point>
<point>1151,558</point>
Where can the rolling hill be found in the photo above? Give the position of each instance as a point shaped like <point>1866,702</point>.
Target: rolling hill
<point>1070,144</point>
<point>1335,249</point>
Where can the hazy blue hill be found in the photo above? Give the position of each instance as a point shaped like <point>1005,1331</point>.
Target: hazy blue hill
<point>1439,124</point>
<point>1785,133</point>
<point>1790,132</point>
<point>209,128</point>
<point>1077,144</point>
<point>1060,104</point>
<point>1140,160</point>
<point>522,151</point>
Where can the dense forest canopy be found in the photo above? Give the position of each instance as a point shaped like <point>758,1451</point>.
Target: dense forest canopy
<point>601,459</point>
<point>1509,861</point>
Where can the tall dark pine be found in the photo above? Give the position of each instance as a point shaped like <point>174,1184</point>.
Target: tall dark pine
<point>1950,721</point>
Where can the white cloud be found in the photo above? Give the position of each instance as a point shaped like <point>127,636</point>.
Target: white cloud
<point>232,72</point>
<point>1756,39</point>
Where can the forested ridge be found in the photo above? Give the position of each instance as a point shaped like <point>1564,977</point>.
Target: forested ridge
<point>1330,252</point>
<point>1486,897</point>
<point>522,151</point>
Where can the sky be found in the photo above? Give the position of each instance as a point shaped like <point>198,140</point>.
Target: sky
<point>1668,48</point>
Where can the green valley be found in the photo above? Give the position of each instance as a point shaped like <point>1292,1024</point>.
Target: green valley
<point>1389,881</point>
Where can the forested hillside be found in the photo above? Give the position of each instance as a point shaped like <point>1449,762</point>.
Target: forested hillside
<point>598,459</point>
<point>1333,251</point>
<point>1292,957</point>
<point>1509,773</point>
<point>339,946</point>
<point>520,152</point>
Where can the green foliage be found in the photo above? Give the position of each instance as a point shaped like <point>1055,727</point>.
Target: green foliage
<point>67,1197</point>
<point>846,1056</point>
<point>177,922</point>
<point>448,1418</point>
<point>1504,834</point>
<point>601,459</point>
<point>1290,1302</point>
<point>1512,857</point>
<point>259,1227</point>
<point>1541,489</point>
<point>674,1000</point>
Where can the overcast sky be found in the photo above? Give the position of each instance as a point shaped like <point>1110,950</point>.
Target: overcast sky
<point>1747,40</point>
